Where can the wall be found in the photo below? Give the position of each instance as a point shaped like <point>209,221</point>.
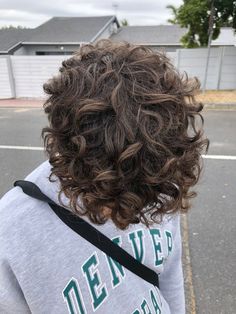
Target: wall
<point>31,49</point>
<point>31,72</point>
<point>23,76</point>
<point>164,48</point>
<point>6,78</point>
<point>228,69</point>
<point>221,69</point>
<point>106,33</point>
<point>20,51</point>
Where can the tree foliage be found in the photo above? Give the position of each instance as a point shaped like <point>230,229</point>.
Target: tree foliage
<point>124,22</point>
<point>195,15</point>
<point>174,13</point>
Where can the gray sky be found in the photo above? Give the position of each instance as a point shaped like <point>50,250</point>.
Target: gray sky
<point>32,13</point>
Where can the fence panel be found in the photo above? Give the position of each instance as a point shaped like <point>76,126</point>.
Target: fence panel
<point>31,72</point>
<point>24,76</point>
<point>172,56</point>
<point>221,68</point>
<point>5,79</point>
<point>193,61</point>
<point>228,69</point>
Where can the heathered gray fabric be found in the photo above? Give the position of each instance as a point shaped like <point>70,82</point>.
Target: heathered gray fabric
<point>47,268</point>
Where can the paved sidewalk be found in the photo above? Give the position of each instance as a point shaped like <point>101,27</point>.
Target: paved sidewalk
<point>222,100</point>
<point>218,97</point>
<point>21,103</point>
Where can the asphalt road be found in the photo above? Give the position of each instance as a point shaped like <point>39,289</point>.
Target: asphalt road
<point>20,127</point>
<point>211,222</point>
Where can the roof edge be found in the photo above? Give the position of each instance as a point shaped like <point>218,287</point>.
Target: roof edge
<point>113,18</point>
<point>53,43</point>
<point>14,46</point>
<point>157,44</point>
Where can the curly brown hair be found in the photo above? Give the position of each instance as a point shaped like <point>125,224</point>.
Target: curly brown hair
<point>122,133</point>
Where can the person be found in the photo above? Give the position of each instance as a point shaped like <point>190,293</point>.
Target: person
<point>124,145</point>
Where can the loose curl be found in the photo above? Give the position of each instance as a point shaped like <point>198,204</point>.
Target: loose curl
<point>123,133</point>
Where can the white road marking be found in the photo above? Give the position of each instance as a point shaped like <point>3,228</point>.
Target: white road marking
<point>217,144</point>
<point>219,157</point>
<point>22,110</point>
<point>21,147</point>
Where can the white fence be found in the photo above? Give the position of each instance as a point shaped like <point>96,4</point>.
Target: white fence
<point>31,72</point>
<point>221,68</point>
<point>23,76</point>
<point>6,80</point>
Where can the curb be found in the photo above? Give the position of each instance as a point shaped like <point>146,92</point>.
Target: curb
<point>220,106</point>
<point>190,299</point>
<point>21,103</point>
<point>38,103</point>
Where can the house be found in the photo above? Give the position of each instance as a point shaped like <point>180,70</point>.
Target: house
<point>10,39</point>
<point>28,57</point>
<point>64,35</point>
<point>226,38</point>
<point>58,36</point>
<point>167,37</point>
<point>156,36</point>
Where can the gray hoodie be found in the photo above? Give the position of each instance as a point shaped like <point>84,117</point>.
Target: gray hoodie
<point>47,268</point>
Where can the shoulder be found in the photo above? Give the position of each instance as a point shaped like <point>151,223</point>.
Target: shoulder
<point>12,206</point>
<point>17,210</point>
<point>171,223</point>
<point>15,198</point>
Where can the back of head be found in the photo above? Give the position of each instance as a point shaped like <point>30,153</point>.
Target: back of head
<point>122,133</point>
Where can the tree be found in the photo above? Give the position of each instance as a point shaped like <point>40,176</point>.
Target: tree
<point>174,13</point>
<point>195,14</point>
<point>124,22</point>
